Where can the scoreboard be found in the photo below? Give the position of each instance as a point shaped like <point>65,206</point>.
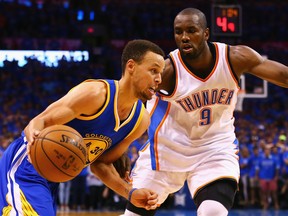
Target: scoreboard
<point>226,20</point>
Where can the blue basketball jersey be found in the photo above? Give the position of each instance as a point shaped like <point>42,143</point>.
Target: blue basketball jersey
<point>24,192</point>
<point>104,130</point>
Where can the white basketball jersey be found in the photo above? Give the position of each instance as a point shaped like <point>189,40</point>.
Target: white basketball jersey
<point>197,119</point>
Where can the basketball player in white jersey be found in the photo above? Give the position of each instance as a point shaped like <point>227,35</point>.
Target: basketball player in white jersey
<point>191,135</point>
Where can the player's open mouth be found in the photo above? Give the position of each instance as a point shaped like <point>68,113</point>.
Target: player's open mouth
<point>187,48</point>
<point>152,91</point>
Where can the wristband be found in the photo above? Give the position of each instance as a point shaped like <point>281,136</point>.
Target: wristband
<point>130,193</point>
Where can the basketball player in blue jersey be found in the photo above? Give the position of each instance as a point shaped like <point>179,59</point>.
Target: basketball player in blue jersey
<point>191,135</point>
<point>109,114</point>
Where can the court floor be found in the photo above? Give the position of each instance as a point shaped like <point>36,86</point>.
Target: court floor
<point>246,212</point>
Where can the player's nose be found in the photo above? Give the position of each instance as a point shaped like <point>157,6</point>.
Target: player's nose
<point>158,78</point>
<point>185,37</point>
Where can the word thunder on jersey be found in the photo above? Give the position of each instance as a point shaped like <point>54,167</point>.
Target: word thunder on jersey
<point>197,118</point>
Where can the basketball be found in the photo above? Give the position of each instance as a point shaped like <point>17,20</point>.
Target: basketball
<point>58,153</point>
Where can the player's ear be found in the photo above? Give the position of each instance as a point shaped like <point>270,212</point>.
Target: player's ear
<point>130,66</point>
<point>207,34</point>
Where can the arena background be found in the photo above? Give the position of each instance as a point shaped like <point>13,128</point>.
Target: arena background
<point>47,46</point>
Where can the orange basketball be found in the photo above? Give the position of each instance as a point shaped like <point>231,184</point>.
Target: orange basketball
<point>58,153</point>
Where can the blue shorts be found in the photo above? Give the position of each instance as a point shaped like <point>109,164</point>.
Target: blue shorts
<point>22,190</point>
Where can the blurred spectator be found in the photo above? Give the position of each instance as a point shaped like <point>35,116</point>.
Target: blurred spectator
<point>282,141</point>
<point>268,174</point>
<point>64,195</point>
<point>78,191</point>
<point>284,189</point>
<point>244,173</point>
<point>253,180</point>
<point>4,142</point>
<point>95,191</point>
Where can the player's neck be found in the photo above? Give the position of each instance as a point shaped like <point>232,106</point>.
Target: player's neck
<point>125,99</point>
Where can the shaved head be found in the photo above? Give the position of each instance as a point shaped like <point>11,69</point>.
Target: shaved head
<point>194,11</point>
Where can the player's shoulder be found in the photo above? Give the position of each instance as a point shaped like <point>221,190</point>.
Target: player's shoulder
<point>241,51</point>
<point>98,83</point>
<point>243,58</point>
<point>92,92</point>
<point>94,86</point>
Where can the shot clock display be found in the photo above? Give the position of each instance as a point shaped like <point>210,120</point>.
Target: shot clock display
<point>226,20</point>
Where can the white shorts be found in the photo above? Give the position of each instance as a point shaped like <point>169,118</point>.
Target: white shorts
<point>218,166</point>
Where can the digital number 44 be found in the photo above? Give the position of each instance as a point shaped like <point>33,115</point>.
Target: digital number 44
<point>225,25</point>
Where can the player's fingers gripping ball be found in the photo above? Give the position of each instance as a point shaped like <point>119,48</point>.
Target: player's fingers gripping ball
<point>58,153</point>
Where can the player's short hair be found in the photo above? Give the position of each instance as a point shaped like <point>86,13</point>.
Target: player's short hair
<point>200,14</point>
<point>136,50</point>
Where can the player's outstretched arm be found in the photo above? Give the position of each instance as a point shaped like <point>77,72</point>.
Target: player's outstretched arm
<point>246,60</point>
<point>142,197</point>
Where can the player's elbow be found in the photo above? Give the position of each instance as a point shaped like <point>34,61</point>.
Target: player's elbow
<point>284,78</point>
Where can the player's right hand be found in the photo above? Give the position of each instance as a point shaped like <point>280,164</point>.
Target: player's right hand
<point>144,198</point>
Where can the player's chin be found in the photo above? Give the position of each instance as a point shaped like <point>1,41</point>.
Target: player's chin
<point>146,97</point>
<point>150,94</point>
<point>187,52</point>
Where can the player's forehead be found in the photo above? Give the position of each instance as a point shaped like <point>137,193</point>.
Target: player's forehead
<point>187,20</point>
<point>153,59</point>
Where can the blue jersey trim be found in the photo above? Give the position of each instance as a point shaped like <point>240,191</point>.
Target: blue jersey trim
<point>156,118</point>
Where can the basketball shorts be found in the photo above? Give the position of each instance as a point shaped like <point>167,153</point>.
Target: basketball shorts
<point>166,182</point>
<point>22,190</point>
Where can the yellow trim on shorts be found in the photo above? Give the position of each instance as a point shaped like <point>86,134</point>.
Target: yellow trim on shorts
<point>26,207</point>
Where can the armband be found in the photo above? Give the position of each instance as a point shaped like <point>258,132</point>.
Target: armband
<point>130,193</point>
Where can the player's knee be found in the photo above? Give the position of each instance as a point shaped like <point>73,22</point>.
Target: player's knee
<point>132,210</point>
<point>211,208</point>
<point>222,191</point>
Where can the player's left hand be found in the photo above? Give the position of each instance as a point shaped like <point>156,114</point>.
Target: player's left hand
<point>30,136</point>
<point>144,198</point>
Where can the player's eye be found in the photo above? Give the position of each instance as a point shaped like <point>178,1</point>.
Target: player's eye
<point>177,31</point>
<point>191,31</point>
<point>154,71</point>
